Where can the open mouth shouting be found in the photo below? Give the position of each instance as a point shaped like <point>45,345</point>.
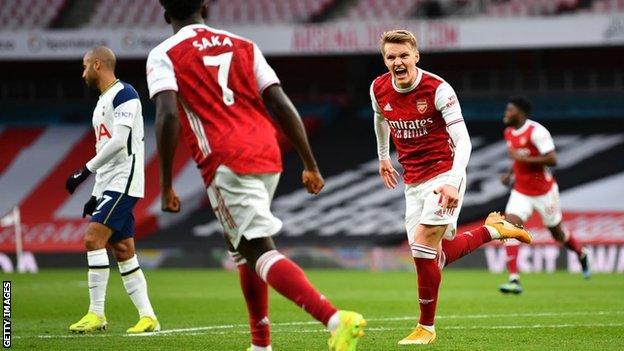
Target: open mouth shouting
<point>400,72</point>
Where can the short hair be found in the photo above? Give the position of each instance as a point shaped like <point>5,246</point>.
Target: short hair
<point>181,9</point>
<point>398,36</point>
<point>521,103</point>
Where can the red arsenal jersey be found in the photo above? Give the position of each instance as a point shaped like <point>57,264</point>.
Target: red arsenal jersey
<point>219,78</point>
<point>532,139</point>
<point>418,117</point>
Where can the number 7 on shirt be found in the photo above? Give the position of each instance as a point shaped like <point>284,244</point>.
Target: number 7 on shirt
<point>222,62</point>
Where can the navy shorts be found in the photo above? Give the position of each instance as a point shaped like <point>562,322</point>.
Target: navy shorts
<point>114,210</point>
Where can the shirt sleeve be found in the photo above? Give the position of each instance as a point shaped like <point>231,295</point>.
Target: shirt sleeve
<point>126,105</point>
<point>542,140</point>
<point>265,75</point>
<point>446,102</point>
<point>382,129</point>
<point>160,74</point>
<point>117,143</point>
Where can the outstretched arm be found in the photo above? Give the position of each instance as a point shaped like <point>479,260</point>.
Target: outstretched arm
<point>288,118</point>
<point>167,132</point>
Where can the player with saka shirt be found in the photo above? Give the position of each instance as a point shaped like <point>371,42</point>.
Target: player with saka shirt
<point>119,183</point>
<point>421,113</point>
<point>532,150</point>
<point>215,85</point>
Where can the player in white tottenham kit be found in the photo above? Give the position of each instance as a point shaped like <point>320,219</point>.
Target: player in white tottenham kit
<point>119,183</point>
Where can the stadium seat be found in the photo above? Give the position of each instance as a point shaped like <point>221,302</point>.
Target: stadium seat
<point>28,14</point>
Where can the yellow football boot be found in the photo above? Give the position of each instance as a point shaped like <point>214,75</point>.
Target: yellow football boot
<point>506,229</point>
<point>145,325</point>
<point>89,323</point>
<point>420,336</point>
<point>349,331</point>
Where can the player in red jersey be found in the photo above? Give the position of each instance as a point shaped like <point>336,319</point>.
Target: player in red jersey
<point>534,188</point>
<point>215,85</point>
<point>422,114</point>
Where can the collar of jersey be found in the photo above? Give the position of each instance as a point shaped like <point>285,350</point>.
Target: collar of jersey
<point>521,129</point>
<point>193,26</point>
<point>110,86</point>
<point>411,87</point>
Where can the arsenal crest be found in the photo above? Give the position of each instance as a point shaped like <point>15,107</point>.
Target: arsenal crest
<point>421,105</point>
<point>523,141</point>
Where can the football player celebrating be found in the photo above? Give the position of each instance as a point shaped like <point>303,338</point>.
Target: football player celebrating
<point>215,84</point>
<point>119,183</point>
<point>422,114</point>
<point>532,150</point>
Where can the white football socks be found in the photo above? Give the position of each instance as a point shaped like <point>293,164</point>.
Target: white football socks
<point>429,328</point>
<point>494,234</point>
<point>333,322</point>
<point>136,286</point>
<point>97,280</point>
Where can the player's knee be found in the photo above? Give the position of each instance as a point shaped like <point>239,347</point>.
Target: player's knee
<point>122,255</point>
<point>557,235</point>
<point>93,241</point>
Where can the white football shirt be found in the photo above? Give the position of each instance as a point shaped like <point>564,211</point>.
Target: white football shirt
<point>124,173</point>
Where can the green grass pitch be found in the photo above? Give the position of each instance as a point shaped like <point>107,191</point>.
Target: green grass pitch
<point>204,310</point>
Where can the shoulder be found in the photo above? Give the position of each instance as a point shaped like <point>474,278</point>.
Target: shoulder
<point>507,132</point>
<point>431,79</point>
<point>382,81</point>
<point>125,93</point>
<point>537,129</point>
<point>163,48</point>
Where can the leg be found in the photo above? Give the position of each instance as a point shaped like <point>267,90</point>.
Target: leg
<point>286,277</point>
<point>242,205</point>
<point>570,242</point>
<point>426,242</point>
<point>95,242</point>
<point>256,294</point>
<point>519,208</point>
<point>512,247</point>
<point>99,271</point>
<point>566,239</point>
<point>463,244</point>
<point>132,276</point>
<point>548,207</point>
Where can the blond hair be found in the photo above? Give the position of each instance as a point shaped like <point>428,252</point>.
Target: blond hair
<point>398,36</point>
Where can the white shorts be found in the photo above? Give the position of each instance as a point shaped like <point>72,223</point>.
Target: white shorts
<point>242,203</point>
<point>546,205</point>
<point>422,207</point>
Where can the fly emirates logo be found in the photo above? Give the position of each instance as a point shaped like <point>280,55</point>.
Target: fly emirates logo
<point>410,129</point>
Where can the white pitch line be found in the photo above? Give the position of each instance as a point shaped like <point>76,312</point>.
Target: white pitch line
<point>533,326</point>
<point>208,329</point>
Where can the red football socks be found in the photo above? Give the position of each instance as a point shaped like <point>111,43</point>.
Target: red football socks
<point>512,259</point>
<point>464,244</point>
<point>289,280</point>
<point>256,293</point>
<point>574,245</point>
<point>429,277</point>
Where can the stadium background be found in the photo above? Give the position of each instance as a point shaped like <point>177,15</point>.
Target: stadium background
<point>566,55</point>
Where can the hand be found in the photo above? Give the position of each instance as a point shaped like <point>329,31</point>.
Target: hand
<point>75,179</point>
<point>515,155</point>
<point>388,173</point>
<point>449,197</point>
<point>313,181</point>
<point>170,201</point>
<point>89,207</point>
<point>506,179</point>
